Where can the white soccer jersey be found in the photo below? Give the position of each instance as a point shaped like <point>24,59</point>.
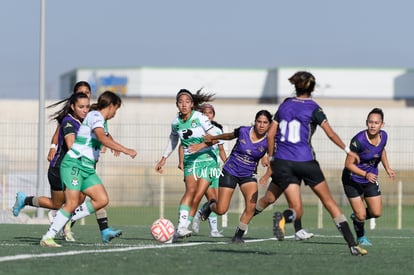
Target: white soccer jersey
<point>189,132</point>
<point>86,144</point>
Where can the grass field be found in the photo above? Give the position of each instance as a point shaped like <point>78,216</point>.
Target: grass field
<point>136,253</point>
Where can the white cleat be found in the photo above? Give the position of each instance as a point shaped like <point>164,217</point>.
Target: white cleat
<point>303,235</point>
<point>216,234</point>
<point>196,225</point>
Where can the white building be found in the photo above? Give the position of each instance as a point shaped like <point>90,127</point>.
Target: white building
<point>259,84</point>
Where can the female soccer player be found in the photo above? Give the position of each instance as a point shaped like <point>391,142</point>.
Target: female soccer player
<point>360,179</point>
<point>62,140</point>
<point>212,191</point>
<point>77,169</point>
<point>189,127</point>
<point>240,169</point>
<point>294,158</point>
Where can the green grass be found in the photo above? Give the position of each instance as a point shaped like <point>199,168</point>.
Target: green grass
<point>136,253</point>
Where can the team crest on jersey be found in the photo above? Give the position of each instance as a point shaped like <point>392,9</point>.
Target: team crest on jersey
<point>67,125</point>
<point>193,123</point>
<point>75,181</point>
<point>248,151</point>
<point>261,149</point>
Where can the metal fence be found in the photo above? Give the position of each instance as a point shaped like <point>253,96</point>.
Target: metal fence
<point>133,182</point>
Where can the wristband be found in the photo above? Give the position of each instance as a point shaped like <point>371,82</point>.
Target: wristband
<point>53,146</point>
<point>347,150</point>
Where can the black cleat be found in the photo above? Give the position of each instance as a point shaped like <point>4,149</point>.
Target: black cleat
<point>279,226</point>
<point>237,239</point>
<point>206,210</point>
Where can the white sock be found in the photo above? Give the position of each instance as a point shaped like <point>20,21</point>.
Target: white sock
<point>58,223</point>
<point>212,220</point>
<point>197,215</point>
<point>183,218</point>
<point>81,212</point>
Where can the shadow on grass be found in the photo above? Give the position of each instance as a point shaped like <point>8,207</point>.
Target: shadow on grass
<point>243,251</point>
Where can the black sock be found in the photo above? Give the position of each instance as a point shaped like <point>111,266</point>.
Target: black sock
<point>289,215</point>
<point>298,225</point>
<point>359,227</point>
<point>28,201</point>
<point>368,215</point>
<point>103,223</point>
<point>343,227</point>
<point>239,233</point>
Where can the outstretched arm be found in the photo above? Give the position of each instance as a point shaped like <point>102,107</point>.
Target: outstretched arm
<point>225,136</point>
<point>337,140</point>
<point>112,144</point>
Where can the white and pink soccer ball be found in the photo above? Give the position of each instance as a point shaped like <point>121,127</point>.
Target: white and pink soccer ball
<point>162,230</point>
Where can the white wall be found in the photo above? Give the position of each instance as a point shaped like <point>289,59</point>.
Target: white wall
<point>248,83</point>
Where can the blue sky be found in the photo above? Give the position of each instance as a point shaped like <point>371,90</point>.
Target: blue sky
<point>191,33</point>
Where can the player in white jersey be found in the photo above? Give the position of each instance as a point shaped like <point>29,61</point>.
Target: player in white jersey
<point>189,127</point>
<point>212,191</point>
<point>78,166</point>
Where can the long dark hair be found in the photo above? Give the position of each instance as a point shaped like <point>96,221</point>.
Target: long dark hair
<point>198,98</point>
<point>75,90</point>
<point>66,109</point>
<point>105,99</point>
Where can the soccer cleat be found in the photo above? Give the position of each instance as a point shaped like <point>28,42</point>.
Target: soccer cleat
<point>236,239</point>
<point>196,225</point>
<point>183,232</point>
<point>206,210</point>
<point>48,242</point>
<point>67,232</point>
<point>364,241</point>
<point>358,251</point>
<point>108,234</point>
<point>19,203</point>
<point>216,234</point>
<point>279,226</point>
<point>303,235</point>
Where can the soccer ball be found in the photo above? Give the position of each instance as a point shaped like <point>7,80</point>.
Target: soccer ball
<point>162,230</point>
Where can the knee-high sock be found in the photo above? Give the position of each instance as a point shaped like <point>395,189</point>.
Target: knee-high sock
<point>83,210</point>
<point>343,227</point>
<point>359,227</point>
<point>59,221</point>
<point>102,219</point>
<point>183,213</point>
<point>212,221</point>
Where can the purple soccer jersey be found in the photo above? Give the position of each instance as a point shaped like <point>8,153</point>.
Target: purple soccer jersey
<point>369,154</point>
<point>69,125</point>
<point>297,119</point>
<point>245,154</point>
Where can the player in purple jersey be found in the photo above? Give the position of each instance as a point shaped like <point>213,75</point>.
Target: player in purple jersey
<point>360,179</point>
<point>240,168</point>
<point>294,159</point>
